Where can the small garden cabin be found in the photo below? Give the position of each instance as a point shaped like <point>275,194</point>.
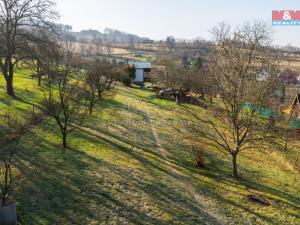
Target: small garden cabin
<point>294,109</point>
<point>142,71</point>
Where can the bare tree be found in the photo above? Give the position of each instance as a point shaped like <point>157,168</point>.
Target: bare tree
<point>166,65</point>
<point>244,69</point>
<point>6,176</point>
<point>83,49</point>
<point>17,19</point>
<point>97,42</point>
<point>101,77</point>
<point>175,76</point>
<point>132,42</point>
<point>201,83</point>
<point>65,100</point>
<point>37,51</point>
<point>38,48</point>
<point>108,46</point>
<point>171,42</point>
<point>90,49</point>
<point>36,64</point>
<point>91,90</point>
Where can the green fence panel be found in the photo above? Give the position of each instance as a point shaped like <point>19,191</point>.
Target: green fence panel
<point>263,112</point>
<point>295,123</point>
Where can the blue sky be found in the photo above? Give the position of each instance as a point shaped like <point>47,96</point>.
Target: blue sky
<point>181,18</point>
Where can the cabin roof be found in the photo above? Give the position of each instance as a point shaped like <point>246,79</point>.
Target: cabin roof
<point>297,100</point>
<point>141,65</point>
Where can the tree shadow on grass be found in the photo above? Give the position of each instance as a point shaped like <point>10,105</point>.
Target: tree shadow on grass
<point>66,189</point>
<point>116,106</point>
<point>78,187</point>
<point>55,192</point>
<point>152,164</point>
<point>213,172</point>
<point>148,145</point>
<point>207,190</point>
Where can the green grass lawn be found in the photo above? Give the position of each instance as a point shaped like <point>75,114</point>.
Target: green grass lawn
<point>19,109</point>
<point>131,163</point>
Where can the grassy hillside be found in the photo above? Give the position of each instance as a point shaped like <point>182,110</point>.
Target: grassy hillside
<point>19,109</point>
<point>131,164</point>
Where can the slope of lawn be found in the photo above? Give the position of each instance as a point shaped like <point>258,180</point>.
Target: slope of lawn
<point>131,163</point>
<point>20,108</point>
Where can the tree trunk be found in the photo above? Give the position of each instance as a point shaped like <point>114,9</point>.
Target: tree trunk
<point>202,94</point>
<point>9,86</point>
<point>99,94</point>
<point>234,165</point>
<point>283,94</point>
<point>178,99</point>
<point>65,139</point>
<point>8,72</point>
<point>39,80</point>
<point>91,108</point>
<point>38,69</point>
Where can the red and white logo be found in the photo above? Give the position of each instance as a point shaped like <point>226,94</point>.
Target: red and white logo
<point>286,17</point>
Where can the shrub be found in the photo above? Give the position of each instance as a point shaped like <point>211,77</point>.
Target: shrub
<point>130,71</point>
<point>126,81</point>
<point>198,154</point>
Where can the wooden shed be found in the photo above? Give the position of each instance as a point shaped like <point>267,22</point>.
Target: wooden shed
<point>294,109</point>
<point>142,71</point>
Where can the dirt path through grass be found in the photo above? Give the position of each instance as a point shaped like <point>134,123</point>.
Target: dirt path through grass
<point>182,184</point>
<point>154,133</point>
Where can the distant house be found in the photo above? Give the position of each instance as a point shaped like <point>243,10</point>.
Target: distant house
<point>142,71</point>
